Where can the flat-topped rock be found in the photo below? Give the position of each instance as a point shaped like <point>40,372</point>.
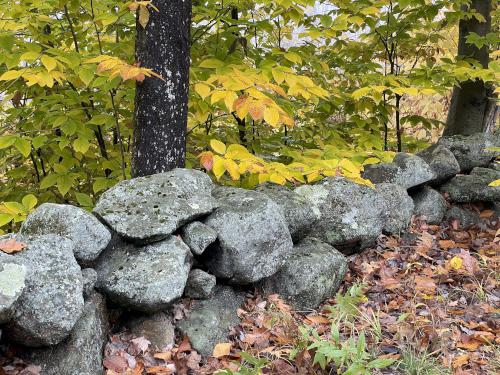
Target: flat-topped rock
<point>253,238</point>
<point>297,211</point>
<point>88,234</point>
<point>351,216</point>
<point>148,209</point>
<point>147,278</point>
<point>52,300</point>
<point>312,274</point>
<point>406,170</point>
<point>473,187</point>
<point>472,151</point>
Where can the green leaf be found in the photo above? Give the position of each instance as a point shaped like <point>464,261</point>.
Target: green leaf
<point>29,201</point>
<point>86,75</point>
<point>81,145</point>
<point>211,64</point>
<point>7,141</point>
<point>5,219</point>
<point>380,363</point>
<point>64,183</point>
<point>23,146</point>
<point>39,141</point>
<point>100,184</point>
<point>49,181</point>
<point>84,200</point>
<point>293,57</point>
<point>15,208</point>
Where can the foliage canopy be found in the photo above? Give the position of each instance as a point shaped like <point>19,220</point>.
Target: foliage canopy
<point>283,91</point>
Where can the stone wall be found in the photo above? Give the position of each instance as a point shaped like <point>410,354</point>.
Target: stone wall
<point>152,240</point>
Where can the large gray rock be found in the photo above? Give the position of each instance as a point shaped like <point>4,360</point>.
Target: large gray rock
<point>147,209</point>
<point>399,207</point>
<point>200,284</point>
<point>471,151</point>
<point>210,320</point>
<point>253,238</point>
<point>89,236</point>
<point>82,352</point>
<point>298,214</point>
<point>198,236</point>
<point>89,276</point>
<point>312,274</point>
<point>156,328</point>
<point>429,204</point>
<point>351,216</point>
<point>52,300</point>
<point>13,277</point>
<point>442,162</point>
<point>465,217</point>
<point>406,170</point>
<point>146,278</point>
<point>473,187</point>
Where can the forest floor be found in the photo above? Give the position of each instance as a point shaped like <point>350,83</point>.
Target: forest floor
<point>426,303</point>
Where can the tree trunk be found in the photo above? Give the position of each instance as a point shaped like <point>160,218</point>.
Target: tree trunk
<point>473,108</point>
<point>160,122</point>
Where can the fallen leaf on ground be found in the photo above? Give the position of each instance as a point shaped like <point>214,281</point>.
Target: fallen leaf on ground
<point>222,349</point>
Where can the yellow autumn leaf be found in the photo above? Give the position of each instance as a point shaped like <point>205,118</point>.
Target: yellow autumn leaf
<point>271,116</point>
<point>222,349</point>
<point>494,183</point>
<point>10,75</point>
<point>218,146</point>
<point>202,90</point>
<point>143,16</point>
<point>370,10</point>
<point>278,75</point>
<point>49,62</point>
<point>277,179</point>
<point>217,95</point>
<point>359,93</point>
<point>232,168</point>
<point>229,100</point>
<point>456,263</point>
<point>218,167</point>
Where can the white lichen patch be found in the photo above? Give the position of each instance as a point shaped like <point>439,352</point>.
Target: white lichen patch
<point>12,279</point>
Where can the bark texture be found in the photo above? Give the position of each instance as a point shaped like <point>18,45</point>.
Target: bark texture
<point>473,108</point>
<point>160,122</point>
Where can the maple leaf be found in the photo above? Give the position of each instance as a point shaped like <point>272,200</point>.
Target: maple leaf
<point>12,246</point>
